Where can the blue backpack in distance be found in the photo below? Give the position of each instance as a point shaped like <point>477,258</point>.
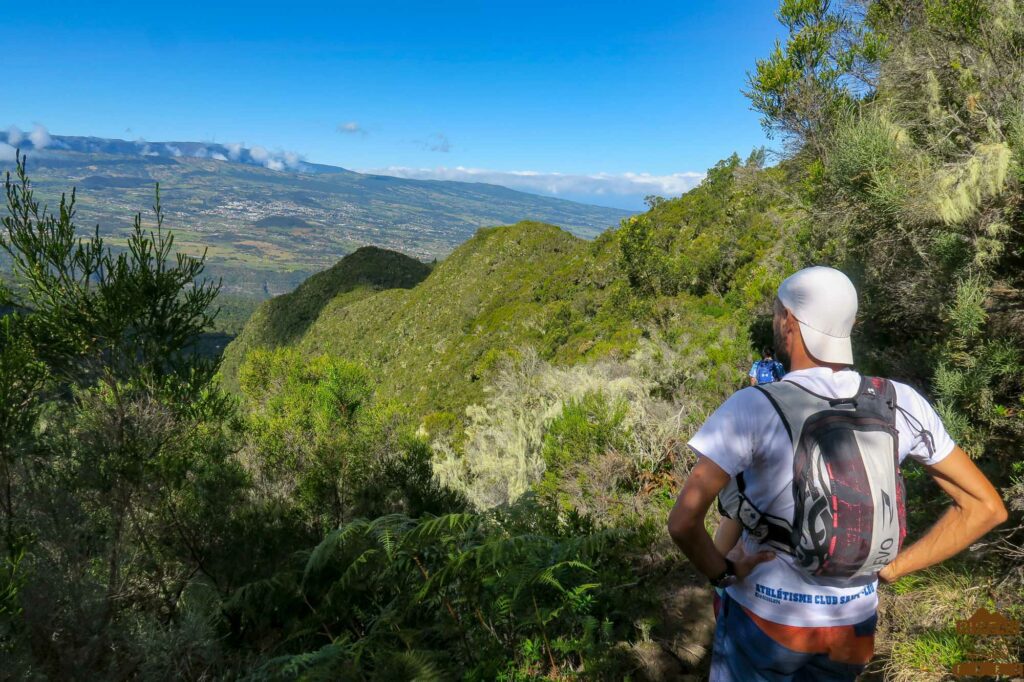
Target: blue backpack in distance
<point>769,371</point>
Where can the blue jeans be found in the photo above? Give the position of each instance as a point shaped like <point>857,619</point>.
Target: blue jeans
<point>745,652</point>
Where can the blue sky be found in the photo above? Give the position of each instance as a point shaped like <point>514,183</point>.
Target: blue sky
<point>600,101</point>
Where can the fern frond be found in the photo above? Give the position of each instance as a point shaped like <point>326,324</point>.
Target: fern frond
<point>332,544</point>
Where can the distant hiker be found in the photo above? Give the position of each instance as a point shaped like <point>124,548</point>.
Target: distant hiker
<point>767,370</point>
<point>815,459</point>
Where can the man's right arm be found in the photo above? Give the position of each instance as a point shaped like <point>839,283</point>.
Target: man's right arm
<point>977,508</point>
<point>686,523</point>
<point>725,446</point>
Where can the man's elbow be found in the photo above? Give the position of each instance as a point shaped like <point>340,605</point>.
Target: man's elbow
<point>996,511</point>
<point>989,512</point>
<point>681,527</point>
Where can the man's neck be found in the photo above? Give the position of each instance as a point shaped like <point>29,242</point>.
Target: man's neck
<point>808,362</point>
<point>801,359</point>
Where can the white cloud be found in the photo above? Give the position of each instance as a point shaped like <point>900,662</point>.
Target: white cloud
<point>276,161</point>
<point>40,137</point>
<point>259,154</point>
<point>7,152</point>
<point>352,128</point>
<point>626,190</point>
<point>14,136</point>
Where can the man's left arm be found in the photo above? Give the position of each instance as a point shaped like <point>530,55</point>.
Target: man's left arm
<point>686,522</point>
<point>976,509</point>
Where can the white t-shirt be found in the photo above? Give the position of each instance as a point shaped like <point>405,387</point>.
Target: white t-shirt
<point>746,434</point>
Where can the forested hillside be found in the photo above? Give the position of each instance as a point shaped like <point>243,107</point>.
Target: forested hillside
<point>286,318</point>
<point>463,471</point>
<point>430,345</point>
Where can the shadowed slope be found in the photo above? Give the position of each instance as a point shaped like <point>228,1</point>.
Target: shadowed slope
<point>285,319</point>
<point>525,284</point>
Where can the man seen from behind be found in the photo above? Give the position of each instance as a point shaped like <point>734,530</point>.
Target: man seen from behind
<point>815,461</point>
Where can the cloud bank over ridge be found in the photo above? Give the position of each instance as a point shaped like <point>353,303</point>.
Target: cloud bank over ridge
<point>620,190</point>
<point>40,139</point>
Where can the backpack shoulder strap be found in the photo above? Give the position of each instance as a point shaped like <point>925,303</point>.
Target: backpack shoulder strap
<point>770,395</point>
<point>793,403</point>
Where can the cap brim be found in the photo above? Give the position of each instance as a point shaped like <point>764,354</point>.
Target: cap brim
<point>825,348</point>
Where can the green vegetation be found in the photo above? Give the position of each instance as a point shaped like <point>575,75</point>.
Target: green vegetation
<point>317,439</point>
<point>113,458</point>
<point>496,596</point>
<point>285,319</point>
<point>462,471</point>
<point>430,345</point>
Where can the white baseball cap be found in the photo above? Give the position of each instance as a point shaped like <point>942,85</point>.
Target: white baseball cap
<point>824,301</point>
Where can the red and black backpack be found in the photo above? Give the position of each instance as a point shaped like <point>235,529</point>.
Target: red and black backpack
<point>849,515</point>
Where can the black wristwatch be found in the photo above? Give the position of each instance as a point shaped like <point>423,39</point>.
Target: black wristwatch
<point>726,577</point>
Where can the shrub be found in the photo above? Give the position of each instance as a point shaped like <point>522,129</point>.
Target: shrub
<point>510,595</point>
<point>317,439</point>
<point>113,448</point>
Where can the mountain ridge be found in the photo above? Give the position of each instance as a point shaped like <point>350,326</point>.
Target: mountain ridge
<point>220,194</point>
<point>508,287</point>
<point>206,150</point>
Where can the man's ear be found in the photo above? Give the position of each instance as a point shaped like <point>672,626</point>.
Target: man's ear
<point>794,335</point>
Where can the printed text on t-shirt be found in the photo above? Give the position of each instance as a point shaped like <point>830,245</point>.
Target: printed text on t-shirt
<point>774,595</point>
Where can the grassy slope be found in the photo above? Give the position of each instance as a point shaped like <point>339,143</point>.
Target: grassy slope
<point>525,284</point>
<point>535,284</point>
<point>285,319</point>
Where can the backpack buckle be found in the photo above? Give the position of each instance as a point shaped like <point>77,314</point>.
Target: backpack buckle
<point>750,518</point>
